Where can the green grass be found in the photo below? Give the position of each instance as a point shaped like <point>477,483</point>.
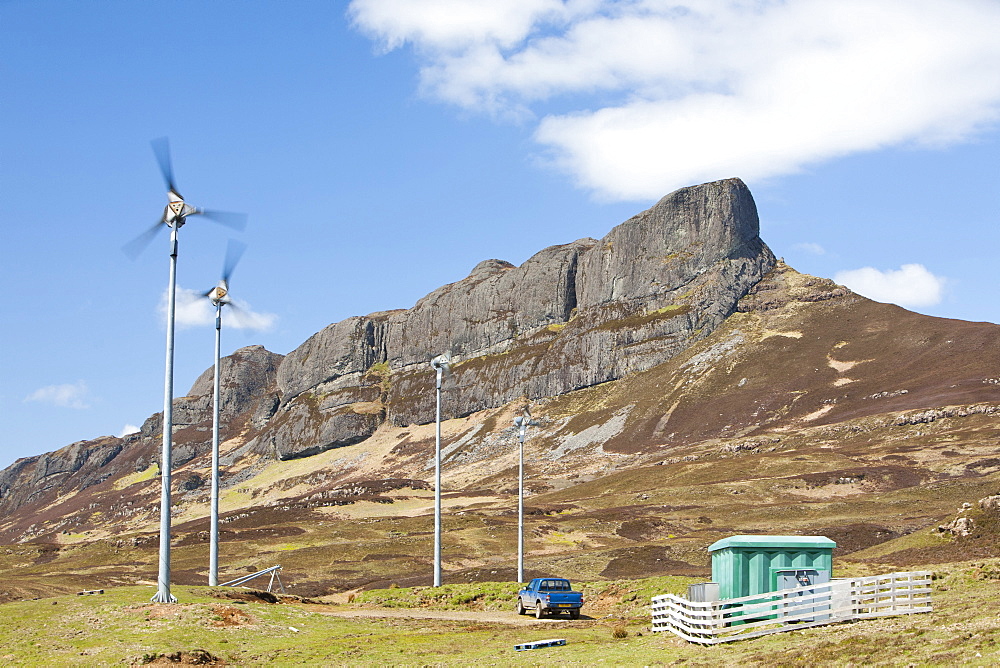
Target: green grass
<point>145,475</point>
<point>619,599</point>
<point>121,628</point>
<point>480,596</point>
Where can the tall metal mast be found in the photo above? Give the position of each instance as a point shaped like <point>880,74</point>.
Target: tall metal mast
<point>440,364</point>
<point>163,594</point>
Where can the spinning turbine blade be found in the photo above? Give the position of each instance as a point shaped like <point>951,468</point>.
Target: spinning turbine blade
<point>237,317</point>
<point>237,221</point>
<point>234,251</point>
<point>161,148</point>
<point>135,247</point>
<point>220,293</point>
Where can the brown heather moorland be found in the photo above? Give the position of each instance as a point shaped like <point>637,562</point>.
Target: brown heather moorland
<point>808,410</point>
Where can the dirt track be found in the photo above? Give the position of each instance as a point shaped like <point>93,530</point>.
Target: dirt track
<point>490,617</point>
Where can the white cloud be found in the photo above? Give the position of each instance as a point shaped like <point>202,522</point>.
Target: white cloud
<point>242,317</point>
<point>128,429</point>
<point>910,285</point>
<point>653,95</point>
<point>66,395</point>
<point>194,310</point>
<point>810,247</point>
<point>450,24</point>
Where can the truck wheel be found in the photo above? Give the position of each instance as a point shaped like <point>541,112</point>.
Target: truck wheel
<point>520,606</point>
<point>574,614</point>
<point>539,610</point>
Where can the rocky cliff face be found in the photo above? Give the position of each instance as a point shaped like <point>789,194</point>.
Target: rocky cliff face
<point>571,316</point>
<point>248,399</point>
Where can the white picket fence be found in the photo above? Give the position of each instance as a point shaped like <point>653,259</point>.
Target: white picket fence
<point>839,600</point>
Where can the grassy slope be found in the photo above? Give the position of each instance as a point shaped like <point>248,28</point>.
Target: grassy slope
<point>826,444</point>
<point>121,628</point>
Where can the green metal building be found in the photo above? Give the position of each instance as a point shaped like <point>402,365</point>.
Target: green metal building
<point>746,565</point>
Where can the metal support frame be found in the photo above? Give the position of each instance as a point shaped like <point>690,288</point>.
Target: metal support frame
<point>273,570</point>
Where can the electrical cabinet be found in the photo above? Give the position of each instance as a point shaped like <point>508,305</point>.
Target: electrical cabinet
<point>795,582</point>
<point>703,592</point>
<point>746,565</point>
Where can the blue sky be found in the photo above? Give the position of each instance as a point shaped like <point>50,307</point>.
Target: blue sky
<point>382,148</point>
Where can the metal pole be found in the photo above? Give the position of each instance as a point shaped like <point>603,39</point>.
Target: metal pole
<point>437,485</point>
<point>521,422</point>
<point>213,549</point>
<point>520,505</point>
<point>163,594</point>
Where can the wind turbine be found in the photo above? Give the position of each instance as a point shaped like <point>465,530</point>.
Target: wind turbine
<point>174,216</point>
<point>521,422</point>
<point>441,364</point>
<point>219,296</point>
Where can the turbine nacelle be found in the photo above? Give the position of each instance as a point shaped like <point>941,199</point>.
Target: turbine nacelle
<point>441,362</point>
<point>522,422</point>
<point>442,365</point>
<point>219,294</point>
<point>177,210</point>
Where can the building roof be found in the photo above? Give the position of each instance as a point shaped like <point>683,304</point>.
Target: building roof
<point>777,542</point>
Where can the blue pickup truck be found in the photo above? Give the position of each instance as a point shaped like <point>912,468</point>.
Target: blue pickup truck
<point>548,596</point>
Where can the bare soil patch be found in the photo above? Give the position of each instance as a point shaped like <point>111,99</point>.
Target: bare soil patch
<point>250,595</point>
<point>228,615</point>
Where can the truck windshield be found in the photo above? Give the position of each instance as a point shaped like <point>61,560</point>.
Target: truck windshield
<point>555,585</point>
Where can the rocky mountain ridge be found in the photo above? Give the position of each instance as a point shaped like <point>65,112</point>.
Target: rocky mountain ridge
<point>669,413</point>
<point>571,316</point>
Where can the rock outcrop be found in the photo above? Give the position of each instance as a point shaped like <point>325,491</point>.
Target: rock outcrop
<point>715,352</point>
<point>244,377</point>
<point>571,316</point>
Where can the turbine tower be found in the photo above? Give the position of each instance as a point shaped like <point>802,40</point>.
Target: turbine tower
<point>441,365</point>
<point>521,422</point>
<point>174,217</point>
<point>219,296</point>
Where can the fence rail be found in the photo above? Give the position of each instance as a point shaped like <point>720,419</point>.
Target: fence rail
<point>839,600</point>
